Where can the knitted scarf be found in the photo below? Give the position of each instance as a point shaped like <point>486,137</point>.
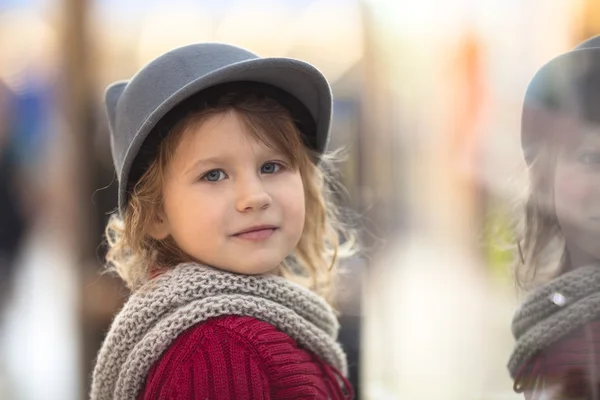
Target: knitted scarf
<point>165,307</point>
<point>552,311</point>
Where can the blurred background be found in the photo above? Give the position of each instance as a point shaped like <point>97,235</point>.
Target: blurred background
<point>427,104</point>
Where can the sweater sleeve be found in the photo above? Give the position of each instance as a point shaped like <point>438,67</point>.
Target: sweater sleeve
<point>208,361</point>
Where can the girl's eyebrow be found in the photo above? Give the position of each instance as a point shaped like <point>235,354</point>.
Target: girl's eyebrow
<point>590,138</point>
<point>201,161</point>
<point>272,152</point>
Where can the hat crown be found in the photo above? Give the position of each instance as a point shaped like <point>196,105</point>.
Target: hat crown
<point>562,85</point>
<point>591,43</point>
<point>156,82</point>
<point>191,62</point>
<point>557,73</point>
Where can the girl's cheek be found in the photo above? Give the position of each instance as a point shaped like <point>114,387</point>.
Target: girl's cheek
<point>568,184</point>
<point>577,188</point>
<point>587,187</point>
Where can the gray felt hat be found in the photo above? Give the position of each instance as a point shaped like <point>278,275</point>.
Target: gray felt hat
<point>137,106</point>
<point>566,86</point>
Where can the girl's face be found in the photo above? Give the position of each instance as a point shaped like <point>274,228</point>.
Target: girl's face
<point>577,197</point>
<point>229,201</point>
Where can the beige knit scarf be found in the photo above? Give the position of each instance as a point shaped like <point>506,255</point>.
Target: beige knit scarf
<point>162,309</point>
<point>552,311</point>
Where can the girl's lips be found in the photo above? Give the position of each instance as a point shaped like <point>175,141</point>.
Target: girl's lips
<point>256,235</point>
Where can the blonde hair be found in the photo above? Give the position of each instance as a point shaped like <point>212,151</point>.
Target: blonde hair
<point>135,256</point>
<point>542,253</point>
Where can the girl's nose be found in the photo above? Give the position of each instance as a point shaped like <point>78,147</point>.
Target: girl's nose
<point>253,196</point>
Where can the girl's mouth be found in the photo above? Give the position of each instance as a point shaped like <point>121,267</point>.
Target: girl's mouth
<point>256,233</point>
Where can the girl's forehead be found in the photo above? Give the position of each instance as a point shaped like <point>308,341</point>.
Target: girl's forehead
<point>223,132</point>
<point>571,133</point>
<point>587,134</point>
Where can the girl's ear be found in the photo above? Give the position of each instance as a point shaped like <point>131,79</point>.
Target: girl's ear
<point>159,228</point>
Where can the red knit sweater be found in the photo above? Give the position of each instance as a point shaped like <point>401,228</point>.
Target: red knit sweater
<point>235,357</point>
<point>569,366</point>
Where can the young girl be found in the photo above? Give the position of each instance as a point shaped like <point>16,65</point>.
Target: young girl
<point>226,234</point>
<point>557,328</point>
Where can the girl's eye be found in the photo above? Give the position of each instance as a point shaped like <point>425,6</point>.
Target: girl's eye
<point>590,158</point>
<point>270,168</point>
<point>214,176</point>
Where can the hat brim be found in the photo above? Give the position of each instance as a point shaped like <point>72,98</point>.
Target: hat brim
<point>299,79</point>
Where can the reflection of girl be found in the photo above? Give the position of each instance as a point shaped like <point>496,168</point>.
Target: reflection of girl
<point>222,205</point>
<point>557,328</point>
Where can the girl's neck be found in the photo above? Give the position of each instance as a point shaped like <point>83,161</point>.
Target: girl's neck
<point>578,257</point>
